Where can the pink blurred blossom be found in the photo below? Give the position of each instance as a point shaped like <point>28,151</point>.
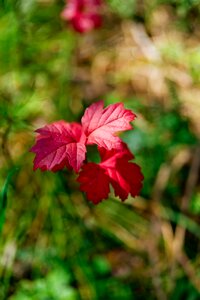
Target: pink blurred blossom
<point>84,15</point>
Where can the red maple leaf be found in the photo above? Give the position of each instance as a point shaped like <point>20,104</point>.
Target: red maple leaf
<point>101,124</point>
<point>115,168</point>
<point>63,144</point>
<point>94,181</point>
<point>58,145</point>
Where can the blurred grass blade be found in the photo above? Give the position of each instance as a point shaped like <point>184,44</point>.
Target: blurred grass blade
<point>182,220</point>
<point>122,222</point>
<point>3,196</point>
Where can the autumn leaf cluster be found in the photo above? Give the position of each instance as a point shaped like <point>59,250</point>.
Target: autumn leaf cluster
<point>63,144</point>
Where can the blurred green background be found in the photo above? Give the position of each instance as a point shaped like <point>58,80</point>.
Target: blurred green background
<point>54,245</point>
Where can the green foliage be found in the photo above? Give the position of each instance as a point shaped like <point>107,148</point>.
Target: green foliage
<point>124,9</point>
<point>4,197</point>
<point>195,204</point>
<point>184,289</point>
<point>54,286</point>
